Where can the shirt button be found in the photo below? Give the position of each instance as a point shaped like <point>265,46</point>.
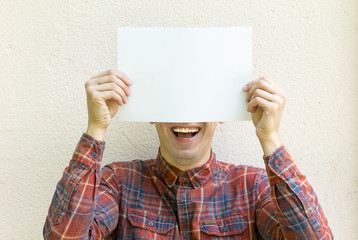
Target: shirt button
<point>276,167</point>
<point>197,184</point>
<point>183,196</point>
<point>170,182</point>
<point>94,155</point>
<point>315,224</point>
<point>183,175</point>
<point>186,235</point>
<point>150,223</point>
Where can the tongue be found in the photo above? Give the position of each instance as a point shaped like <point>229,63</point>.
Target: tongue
<point>185,135</point>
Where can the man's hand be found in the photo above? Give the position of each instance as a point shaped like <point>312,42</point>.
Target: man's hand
<point>266,102</point>
<point>105,92</point>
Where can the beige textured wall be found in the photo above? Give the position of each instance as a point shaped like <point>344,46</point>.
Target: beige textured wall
<point>49,49</point>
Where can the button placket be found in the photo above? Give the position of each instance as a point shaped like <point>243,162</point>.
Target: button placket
<point>183,214</point>
<point>182,196</point>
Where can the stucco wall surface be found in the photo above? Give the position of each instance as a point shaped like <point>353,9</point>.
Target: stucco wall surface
<point>48,49</point>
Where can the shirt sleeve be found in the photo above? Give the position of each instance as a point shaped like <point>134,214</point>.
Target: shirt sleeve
<point>85,203</point>
<point>287,206</point>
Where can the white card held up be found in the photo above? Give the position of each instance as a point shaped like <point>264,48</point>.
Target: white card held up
<point>185,74</point>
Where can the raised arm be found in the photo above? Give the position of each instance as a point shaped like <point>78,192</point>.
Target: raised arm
<point>287,206</point>
<point>84,205</point>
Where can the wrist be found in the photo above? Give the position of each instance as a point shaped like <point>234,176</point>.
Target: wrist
<point>269,145</point>
<point>96,132</point>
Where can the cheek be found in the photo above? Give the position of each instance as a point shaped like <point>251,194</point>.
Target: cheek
<point>166,135</point>
<point>209,133</point>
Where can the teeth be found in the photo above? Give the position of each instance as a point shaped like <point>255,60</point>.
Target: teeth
<point>186,130</point>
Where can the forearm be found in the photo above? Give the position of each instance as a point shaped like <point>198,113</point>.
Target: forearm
<point>295,204</point>
<point>270,144</point>
<point>72,213</point>
<point>72,208</point>
<point>96,132</point>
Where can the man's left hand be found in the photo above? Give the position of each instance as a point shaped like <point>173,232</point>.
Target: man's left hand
<point>266,102</point>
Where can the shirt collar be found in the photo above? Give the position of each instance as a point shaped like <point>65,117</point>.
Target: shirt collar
<point>197,176</point>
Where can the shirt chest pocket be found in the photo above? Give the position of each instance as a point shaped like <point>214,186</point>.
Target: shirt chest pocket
<point>150,225</point>
<point>234,227</point>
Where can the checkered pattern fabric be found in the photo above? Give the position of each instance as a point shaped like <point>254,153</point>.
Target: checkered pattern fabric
<point>153,200</point>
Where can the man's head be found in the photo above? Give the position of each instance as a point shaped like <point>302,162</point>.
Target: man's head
<point>186,145</point>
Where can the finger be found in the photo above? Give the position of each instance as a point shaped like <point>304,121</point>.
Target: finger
<point>263,78</point>
<point>110,95</point>
<point>250,84</point>
<point>265,95</point>
<point>253,82</point>
<point>263,85</point>
<point>116,73</point>
<point>113,79</point>
<point>112,86</point>
<point>259,102</point>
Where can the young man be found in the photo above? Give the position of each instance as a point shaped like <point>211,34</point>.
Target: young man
<point>185,193</point>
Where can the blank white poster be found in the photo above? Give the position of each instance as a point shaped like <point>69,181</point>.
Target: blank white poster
<point>185,74</point>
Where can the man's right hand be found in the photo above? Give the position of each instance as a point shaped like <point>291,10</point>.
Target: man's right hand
<point>105,92</point>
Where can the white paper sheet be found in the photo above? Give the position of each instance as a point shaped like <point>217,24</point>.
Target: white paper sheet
<point>185,74</point>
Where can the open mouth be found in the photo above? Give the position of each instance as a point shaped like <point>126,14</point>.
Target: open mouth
<point>185,132</point>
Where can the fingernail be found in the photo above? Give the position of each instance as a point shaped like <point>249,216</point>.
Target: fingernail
<point>245,87</point>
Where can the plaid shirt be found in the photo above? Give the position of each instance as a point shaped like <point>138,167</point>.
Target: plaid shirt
<point>154,200</point>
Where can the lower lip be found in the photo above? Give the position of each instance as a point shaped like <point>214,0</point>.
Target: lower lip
<point>186,140</point>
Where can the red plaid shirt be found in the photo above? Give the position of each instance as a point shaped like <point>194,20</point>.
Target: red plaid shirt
<point>154,200</point>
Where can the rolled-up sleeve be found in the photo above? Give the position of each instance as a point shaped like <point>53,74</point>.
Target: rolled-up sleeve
<point>289,208</point>
<point>82,194</point>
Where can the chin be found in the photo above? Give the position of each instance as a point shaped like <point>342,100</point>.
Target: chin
<point>187,154</point>
<point>185,142</point>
